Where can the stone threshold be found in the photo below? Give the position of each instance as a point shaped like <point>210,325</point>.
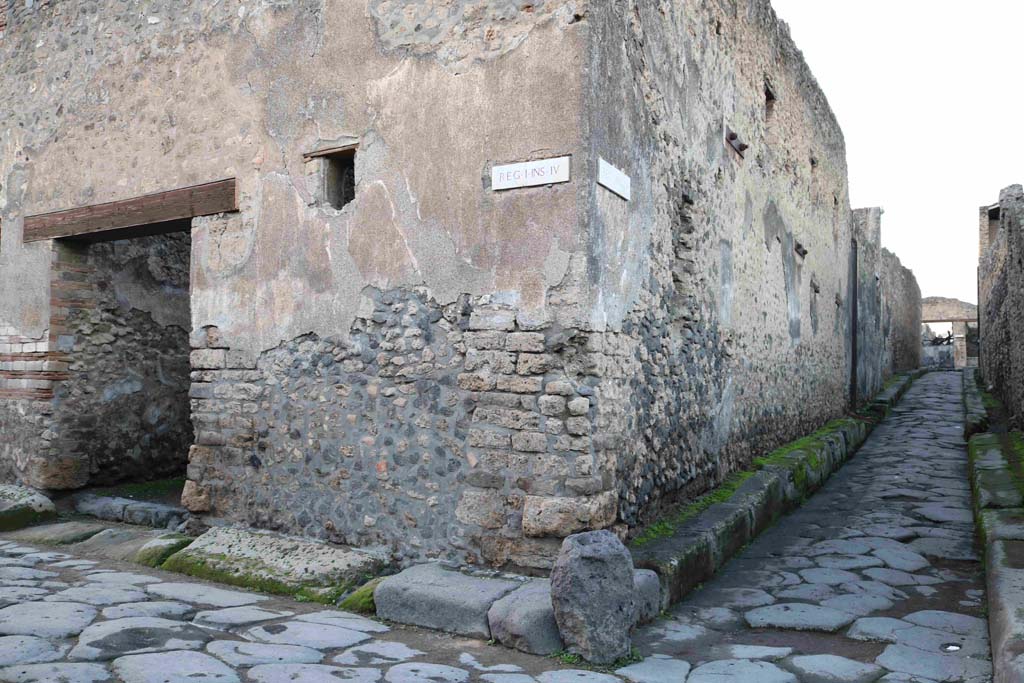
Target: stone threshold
<point>700,546</point>
<point>130,511</point>
<point>996,468</point>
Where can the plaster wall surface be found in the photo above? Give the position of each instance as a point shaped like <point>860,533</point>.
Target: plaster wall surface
<point>436,367</point>
<point>1001,299</point>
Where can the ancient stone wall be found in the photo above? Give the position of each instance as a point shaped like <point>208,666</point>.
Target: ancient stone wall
<point>1001,302</point>
<point>123,408</point>
<point>438,367</point>
<point>902,311</point>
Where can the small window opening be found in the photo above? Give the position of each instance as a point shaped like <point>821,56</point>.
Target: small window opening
<point>769,100</point>
<point>800,249</point>
<point>340,178</point>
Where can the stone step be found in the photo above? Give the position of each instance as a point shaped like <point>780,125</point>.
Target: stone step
<point>129,511</point>
<point>277,564</point>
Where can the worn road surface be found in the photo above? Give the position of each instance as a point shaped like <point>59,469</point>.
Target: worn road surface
<point>875,578</point>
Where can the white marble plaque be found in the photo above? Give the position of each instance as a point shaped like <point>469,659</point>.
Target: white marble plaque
<point>530,173</point>
<point>614,179</point>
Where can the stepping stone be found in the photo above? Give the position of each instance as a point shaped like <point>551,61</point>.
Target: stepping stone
<point>740,671</point>
<point>829,577</point>
<point>437,673</point>
<point>157,608</point>
<point>906,560</point>
<point>136,635</point>
<point>202,594</point>
<point>377,652</point>
<point>173,667</point>
<point>569,676</point>
<point>46,619</point>
<point>833,669</point>
<point>798,617</point>
<point>238,653</point>
<point>656,669</point>
<point>238,616</point>
<point>50,673</point>
<point>129,578</point>
<point>28,650</point>
<point>344,620</point>
<point>859,605</point>
<point>308,634</point>
<point>98,595</point>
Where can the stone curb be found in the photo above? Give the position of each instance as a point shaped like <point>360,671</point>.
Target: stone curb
<point>275,563</point>
<point>21,506</point>
<point>976,417</point>
<point>129,511</point>
<point>702,545</point>
<point>510,609</point>
<point>999,513</point>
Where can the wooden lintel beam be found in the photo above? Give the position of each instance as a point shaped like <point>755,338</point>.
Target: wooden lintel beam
<point>187,202</point>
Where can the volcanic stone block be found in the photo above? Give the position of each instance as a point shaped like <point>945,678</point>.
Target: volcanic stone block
<point>525,620</point>
<point>433,596</point>
<point>592,592</point>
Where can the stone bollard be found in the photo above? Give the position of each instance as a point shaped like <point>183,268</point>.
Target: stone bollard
<point>592,593</point>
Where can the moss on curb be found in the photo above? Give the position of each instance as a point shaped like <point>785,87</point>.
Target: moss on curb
<point>21,517</point>
<point>668,525</point>
<point>361,599</point>
<point>234,574</point>
<point>155,554</point>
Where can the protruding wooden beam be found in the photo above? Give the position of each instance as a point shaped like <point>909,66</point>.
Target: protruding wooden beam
<point>162,207</point>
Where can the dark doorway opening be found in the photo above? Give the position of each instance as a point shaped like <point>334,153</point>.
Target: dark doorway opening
<point>121,316</point>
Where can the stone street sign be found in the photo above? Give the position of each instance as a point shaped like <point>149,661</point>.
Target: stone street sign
<point>530,173</point>
<point>614,179</point>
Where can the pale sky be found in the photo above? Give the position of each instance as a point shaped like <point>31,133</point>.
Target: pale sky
<point>930,98</point>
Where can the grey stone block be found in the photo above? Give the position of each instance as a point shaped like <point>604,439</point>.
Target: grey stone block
<point>525,620</point>
<point>155,515</point>
<point>647,586</point>
<point>21,506</point>
<point>433,596</point>
<point>592,593</point>
<point>102,507</point>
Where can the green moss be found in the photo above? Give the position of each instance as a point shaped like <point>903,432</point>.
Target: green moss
<point>185,563</point>
<point>574,660</point>
<point>21,517</point>
<point>221,569</point>
<point>361,599</point>
<point>146,490</point>
<point>157,554</point>
<point>668,525</point>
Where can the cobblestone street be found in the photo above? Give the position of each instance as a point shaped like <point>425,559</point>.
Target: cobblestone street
<point>874,578</point>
